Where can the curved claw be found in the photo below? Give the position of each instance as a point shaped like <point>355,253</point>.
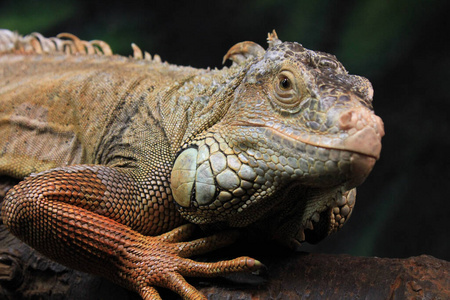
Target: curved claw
<point>242,51</point>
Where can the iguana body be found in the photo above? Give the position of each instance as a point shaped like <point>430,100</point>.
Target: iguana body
<point>122,149</point>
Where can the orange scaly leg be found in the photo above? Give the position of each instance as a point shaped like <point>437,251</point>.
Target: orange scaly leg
<point>51,220</point>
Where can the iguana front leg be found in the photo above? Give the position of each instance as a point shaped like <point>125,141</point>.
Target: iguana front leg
<point>76,216</point>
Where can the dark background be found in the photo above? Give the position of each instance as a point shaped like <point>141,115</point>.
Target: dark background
<point>401,46</point>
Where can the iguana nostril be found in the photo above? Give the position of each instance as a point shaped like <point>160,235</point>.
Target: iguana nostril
<point>359,119</point>
<point>348,120</point>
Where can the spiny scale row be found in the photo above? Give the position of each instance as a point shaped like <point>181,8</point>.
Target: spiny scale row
<point>63,43</point>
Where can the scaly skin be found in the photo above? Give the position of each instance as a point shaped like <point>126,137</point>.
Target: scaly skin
<point>123,151</point>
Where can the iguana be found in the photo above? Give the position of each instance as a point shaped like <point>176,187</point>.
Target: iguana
<point>122,155</point>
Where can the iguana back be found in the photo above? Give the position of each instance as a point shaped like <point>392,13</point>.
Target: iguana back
<point>60,109</point>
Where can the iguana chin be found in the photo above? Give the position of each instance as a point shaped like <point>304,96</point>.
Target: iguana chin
<point>118,153</point>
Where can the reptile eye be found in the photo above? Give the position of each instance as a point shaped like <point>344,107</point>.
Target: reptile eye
<point>285,83</point>
<point>286,91</point>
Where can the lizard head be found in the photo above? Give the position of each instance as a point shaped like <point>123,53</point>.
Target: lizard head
<point>299,136</point>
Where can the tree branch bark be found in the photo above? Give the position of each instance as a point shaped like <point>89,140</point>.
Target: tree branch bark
<point>26,274</point>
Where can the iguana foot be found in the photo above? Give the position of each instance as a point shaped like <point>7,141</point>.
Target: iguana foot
<point>161,261</point>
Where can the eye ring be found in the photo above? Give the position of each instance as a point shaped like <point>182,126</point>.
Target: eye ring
<point>287,90</point>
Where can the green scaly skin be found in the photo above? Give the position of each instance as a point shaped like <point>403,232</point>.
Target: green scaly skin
<point>119,152</point>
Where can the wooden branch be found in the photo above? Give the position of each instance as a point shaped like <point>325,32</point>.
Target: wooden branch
<point>323,276</point>
<point>25,274</point>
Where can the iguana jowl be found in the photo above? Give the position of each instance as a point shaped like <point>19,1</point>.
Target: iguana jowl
<point>119,152</point>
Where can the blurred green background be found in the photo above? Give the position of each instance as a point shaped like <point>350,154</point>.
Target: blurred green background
<point>401,46</point>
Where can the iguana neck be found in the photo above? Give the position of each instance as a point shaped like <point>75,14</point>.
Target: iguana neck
<point>196,103</point>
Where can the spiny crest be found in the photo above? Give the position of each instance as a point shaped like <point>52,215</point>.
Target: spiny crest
<point>272,39</point>
<point>242,51</point>
<point>63,43</point>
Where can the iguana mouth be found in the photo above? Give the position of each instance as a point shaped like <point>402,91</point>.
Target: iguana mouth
<point>365,142</point>
<point>360,147</point>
